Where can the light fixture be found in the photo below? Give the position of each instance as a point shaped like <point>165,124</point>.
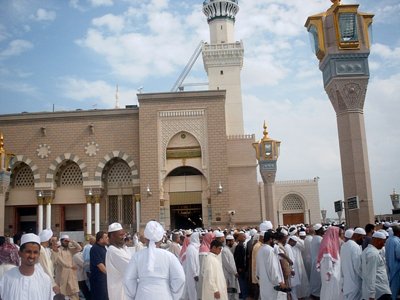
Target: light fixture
<point>91,128</point>
<point>220,189</point>
<point>148,190</point>
<point>90,192</point>
<point>40,194</point>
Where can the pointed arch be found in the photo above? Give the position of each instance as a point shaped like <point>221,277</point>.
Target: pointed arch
<point>23,159</point>
<point>66,156</point>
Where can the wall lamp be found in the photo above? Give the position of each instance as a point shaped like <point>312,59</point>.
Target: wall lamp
<point>148,190</point>
<point>220,189</point>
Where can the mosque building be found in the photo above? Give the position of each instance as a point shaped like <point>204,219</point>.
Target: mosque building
<point>178,157</point>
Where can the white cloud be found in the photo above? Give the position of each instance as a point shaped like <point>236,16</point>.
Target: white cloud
<point>44,15</point>
<point>386,52</point>
<point>15,48</point>
<point>111,22</point>
<point>97,3</point>
<point>98,92</point>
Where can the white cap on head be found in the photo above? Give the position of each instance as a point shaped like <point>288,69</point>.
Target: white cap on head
<point>229,237</point>
<point>317,226</point>
<point>292,230</point>
<point>284,232</point>
<point>379,235</point>
<point>384,232</point>
<point>294,238</point>
<point>253,232</point>
<point>64,237</point>
<point>265,226</point>
<point>45,235</point>
<point>114,227</point>
<point>302,233</point>
<point>218,234</point>
<point>360,230</point>
<point>30,238</point>
<point>348,233</point>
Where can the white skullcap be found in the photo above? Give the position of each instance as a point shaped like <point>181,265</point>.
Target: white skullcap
<point>218,234</point>
<point>154,232</point>
<point>253,232</point>
<point>360,230</point>
<point>265,226</point>
<point>384,232</point>
<point>379,235</point>
<point>348,233</point>
<point>30,238</point>
<point>64,237</point>
<point>229,237</point>
<point>256,236</point>
<point>317,226</point>
<point>284,232</point>
<point>294,238</point>
<point>114,227</point>
<point>45,235</point>
<point>302,233</point>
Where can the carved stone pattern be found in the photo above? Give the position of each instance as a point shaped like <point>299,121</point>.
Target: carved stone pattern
<point>223,57</point>
<point>91,149</point>
<point>71,175</point>
<point>225,8</point>
<point>119,173</point>
<point>24,177</point>
<point>292,202</point>
<point>43,151</point>
<point>171,126</point>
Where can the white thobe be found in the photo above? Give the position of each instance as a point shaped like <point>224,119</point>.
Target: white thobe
<point>229,267</point>
<point>191,265</point>
<point>175,249</point>
<point>302,289</point>
<point>350,255</point>
<point>330,278</point>
<point>166,282</point>
<point>15,286</point>
<point>213,278</point>
<point>306,253</point>
<point>269,272</point>
<point>46,263</point>
<point>117,260</point>
<point>315,276</point>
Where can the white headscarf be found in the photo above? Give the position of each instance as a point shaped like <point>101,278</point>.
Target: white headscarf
<point>154,232</point>
<point>195,239</point>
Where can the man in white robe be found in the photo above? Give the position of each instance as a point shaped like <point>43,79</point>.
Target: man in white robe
<point>315,276</point>
<point>350,254</point>
<point>154,273</point>
<point>175,247</point>
<point>45,257</point>
<point>230,271</point>
<point>268,269</point>
<point>302,290</point>
<point>28,281</point>
<point>191,266</point>
<point>117,260</point>
<point>214,284</point>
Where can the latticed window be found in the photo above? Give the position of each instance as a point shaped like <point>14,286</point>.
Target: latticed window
<point>292,202</point>
<point>119,173</point>
<point>127,209</point>
<point>112,209</point>
<point>71,175</point>
<point>24,177</point>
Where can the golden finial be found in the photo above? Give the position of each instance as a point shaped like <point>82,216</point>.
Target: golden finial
<point>265,132</point>
<point>1,143</point>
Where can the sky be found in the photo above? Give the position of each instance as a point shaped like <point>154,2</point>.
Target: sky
<point>68,55</point>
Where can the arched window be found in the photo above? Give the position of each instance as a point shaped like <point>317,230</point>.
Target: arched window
<point>24,176</point>
<point>70,174</point>
<point>119,173</point>
<point>292,202</point>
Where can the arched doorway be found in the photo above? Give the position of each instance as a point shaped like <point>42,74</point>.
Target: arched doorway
<point>185,185</point>
<point>293,209</point>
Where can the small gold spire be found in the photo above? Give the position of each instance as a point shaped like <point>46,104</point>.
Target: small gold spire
<point>1,143</point>
<point>336,2</point>
<point>265,132</point>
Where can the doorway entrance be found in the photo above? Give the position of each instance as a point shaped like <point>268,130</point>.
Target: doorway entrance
<point>186,216</point>
<point>295,218</point>
<point>27,219</point>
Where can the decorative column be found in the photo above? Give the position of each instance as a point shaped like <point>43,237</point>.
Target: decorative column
<point>267,153</point>
<point>40,200</point>
<point>342,45</point>
<point>137,201</point>
<point>97,213</point>
<point>89,201</point>
<point>49,200</point>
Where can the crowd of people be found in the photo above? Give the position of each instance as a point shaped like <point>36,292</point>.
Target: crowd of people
<point>289,262</point>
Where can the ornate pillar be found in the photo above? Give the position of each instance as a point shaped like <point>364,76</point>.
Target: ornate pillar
<point>267,153</point>
<point>40,199</point>
<point>137,201</point>
<point>342,45</point>
<point>48,200</point>
<point>97,213</point>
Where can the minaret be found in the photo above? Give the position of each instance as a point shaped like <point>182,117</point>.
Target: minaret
<point>342,45</point>
<point>223,59</point>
